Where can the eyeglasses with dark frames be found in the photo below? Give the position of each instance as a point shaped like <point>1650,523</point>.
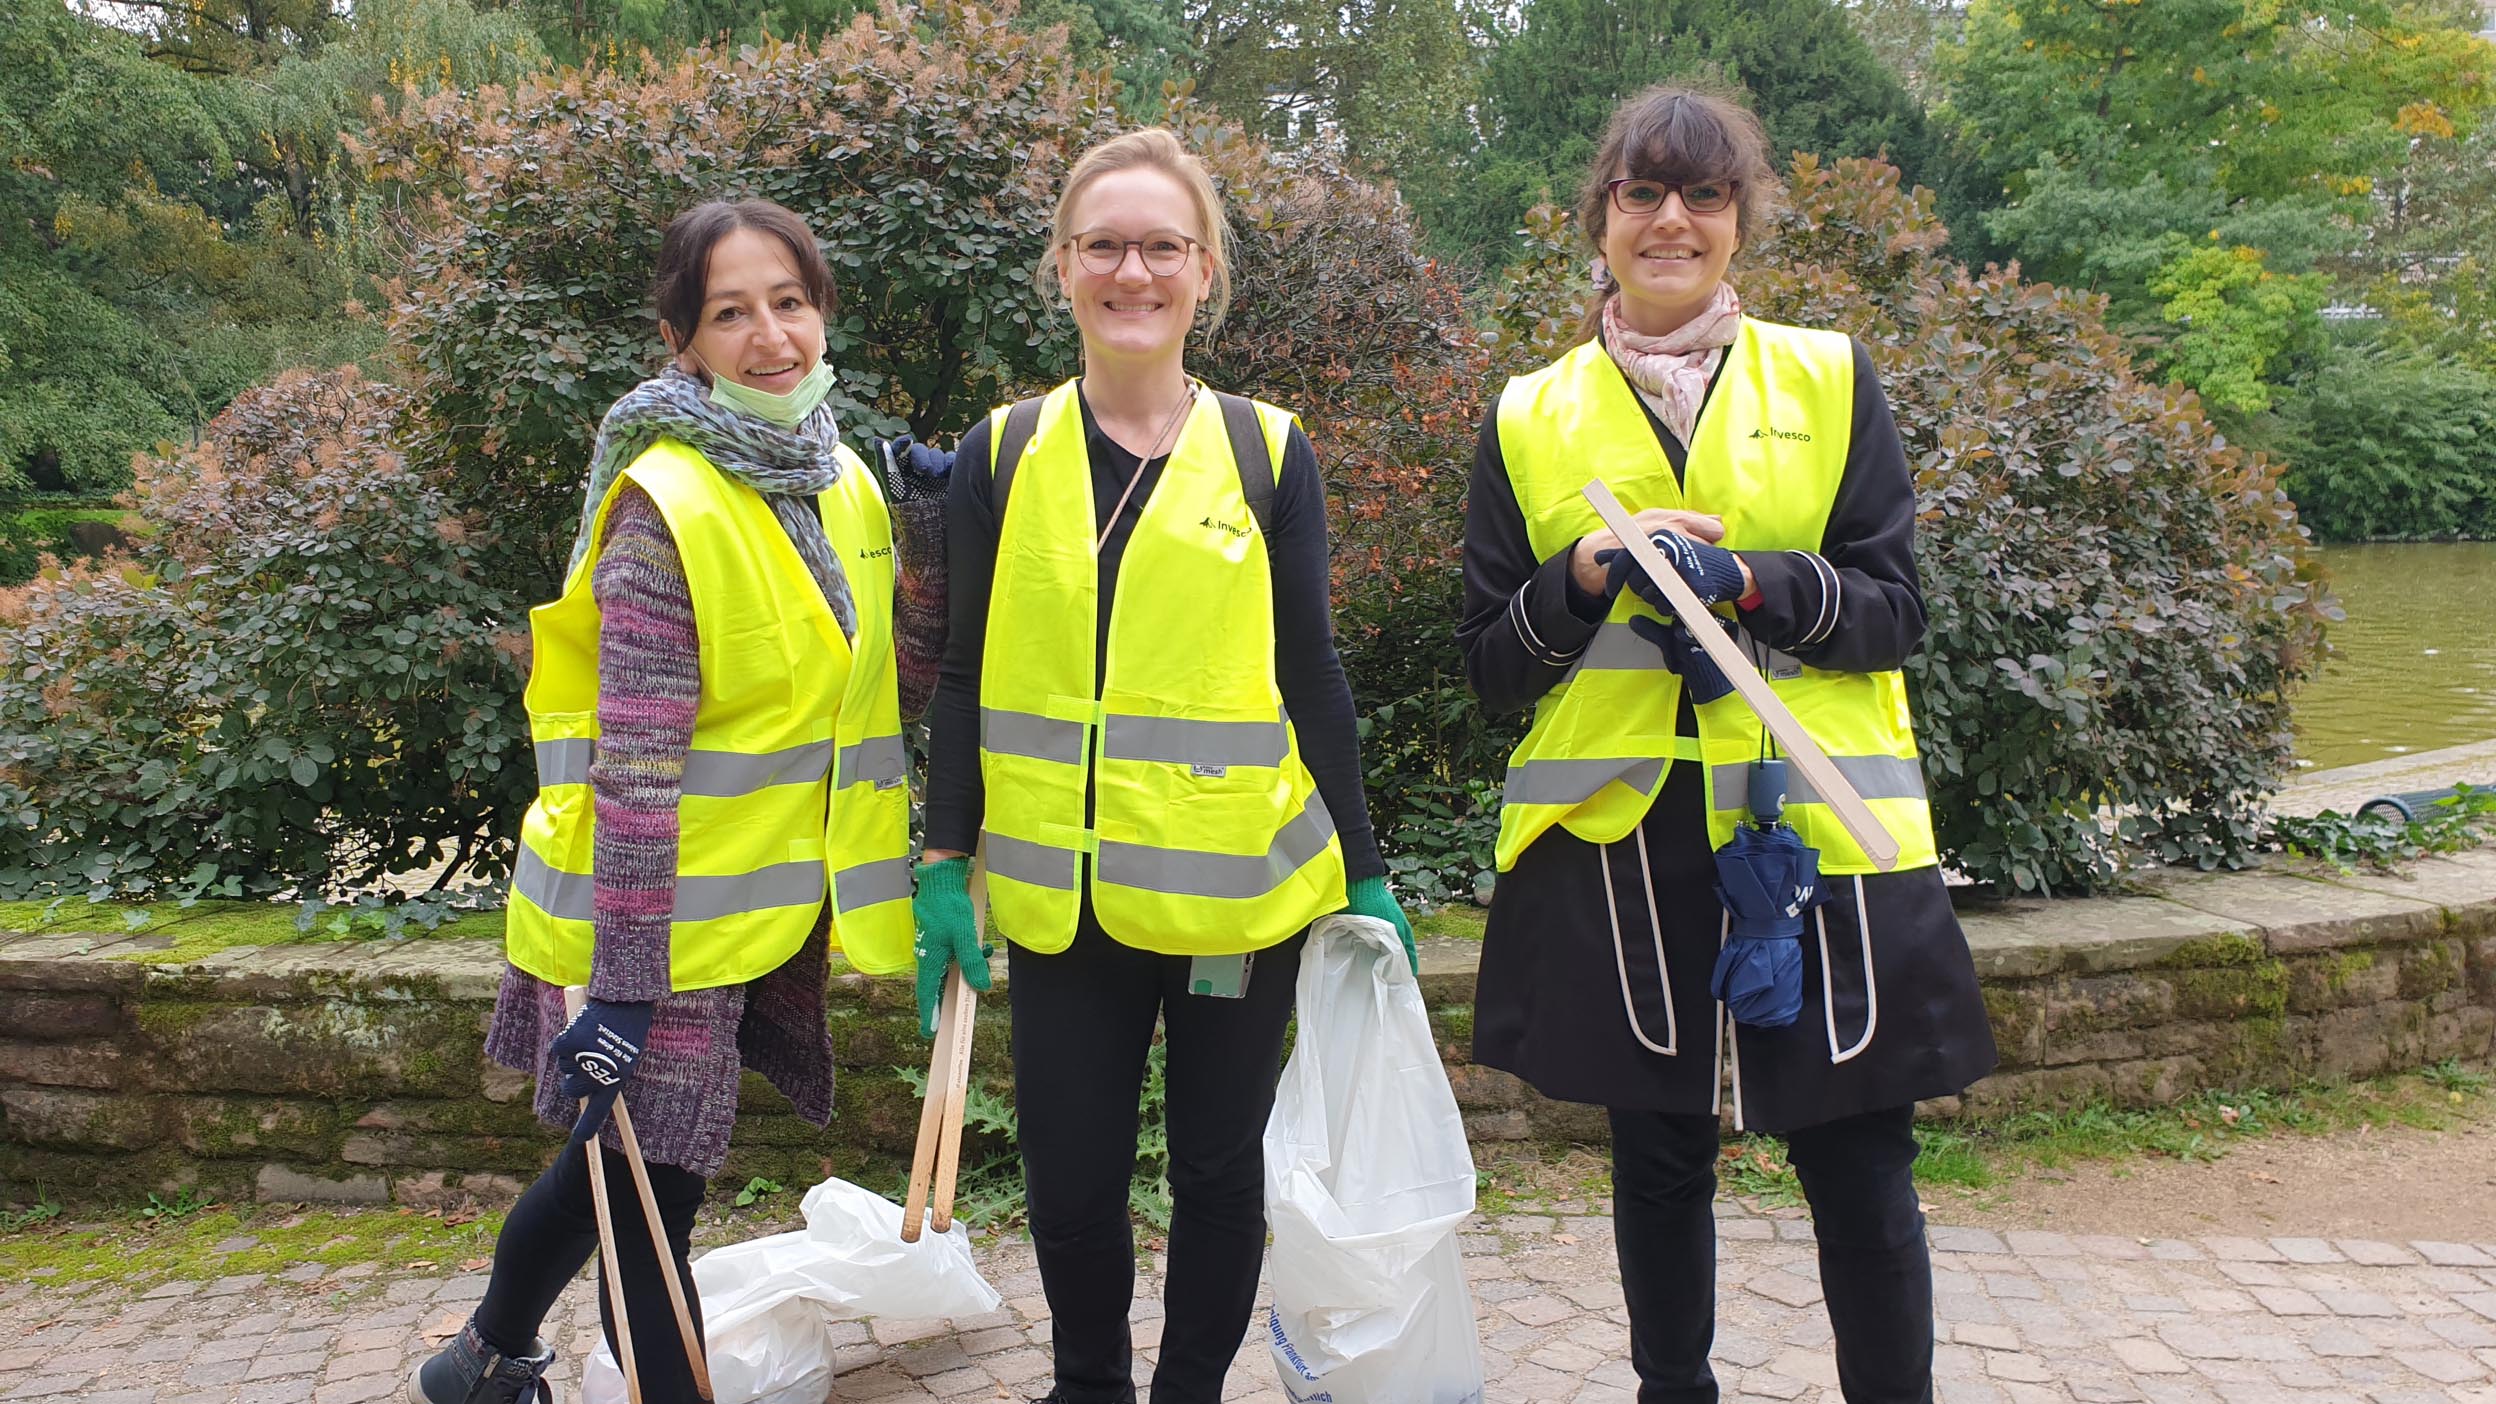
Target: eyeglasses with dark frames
<point>1633,195</point>
<point>1103,253</point>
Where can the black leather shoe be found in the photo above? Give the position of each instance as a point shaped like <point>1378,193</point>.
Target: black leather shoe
<point>468,1371</point>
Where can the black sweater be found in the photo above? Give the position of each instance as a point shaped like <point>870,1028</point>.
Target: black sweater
<point>1306,667</point>
<point>1853,606</point>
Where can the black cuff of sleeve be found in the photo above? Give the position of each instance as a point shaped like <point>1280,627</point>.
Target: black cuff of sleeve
<point>943,833</point>
<point>1363,860</point>
<point>1553,616</point>
<point>1798,599</point>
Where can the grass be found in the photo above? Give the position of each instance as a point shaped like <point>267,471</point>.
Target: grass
<point>1539,1179</point>
<point>208,926</point>
<point>1462,920</point>
<point>1978,1156</point>
<point>1975,1156</point>
<point>183,1239</point>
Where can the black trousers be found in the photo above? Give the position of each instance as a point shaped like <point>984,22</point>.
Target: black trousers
<point>1083,1020</point>
<point>1877,1275</point>
<point>553,1229</point>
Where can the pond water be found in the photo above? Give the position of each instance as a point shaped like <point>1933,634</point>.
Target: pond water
<point>2414,665</point>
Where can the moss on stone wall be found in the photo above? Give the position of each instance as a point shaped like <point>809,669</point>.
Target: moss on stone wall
<point>2229,976</point>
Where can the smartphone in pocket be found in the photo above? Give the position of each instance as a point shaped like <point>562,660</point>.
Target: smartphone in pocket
<point>1221,976</point>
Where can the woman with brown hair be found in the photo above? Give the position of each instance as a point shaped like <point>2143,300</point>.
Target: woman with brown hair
<point>722,796</point>
<point>1142,721</point>
<point>1764,464</point>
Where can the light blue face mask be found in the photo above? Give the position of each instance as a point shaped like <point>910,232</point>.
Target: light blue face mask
<point>789,410</point>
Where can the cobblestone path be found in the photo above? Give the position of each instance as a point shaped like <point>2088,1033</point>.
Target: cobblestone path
<point>2024,1316</point>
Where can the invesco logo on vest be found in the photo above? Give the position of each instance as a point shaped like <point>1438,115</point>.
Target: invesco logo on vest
<point>1224,527</point>
<point>1770,431</point>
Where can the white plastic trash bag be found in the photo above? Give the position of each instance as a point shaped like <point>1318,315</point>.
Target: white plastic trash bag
<point>1367,1178</point>
<point>766,1302</point>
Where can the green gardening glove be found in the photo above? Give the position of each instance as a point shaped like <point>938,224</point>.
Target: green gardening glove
<point>948,934</point>
<point>1368,897</point>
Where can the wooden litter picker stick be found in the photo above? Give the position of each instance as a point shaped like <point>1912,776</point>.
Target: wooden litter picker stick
<point>574,997</point>
<point>1816,767</point>
<point>965,1002</point>
<point>936,1162</point>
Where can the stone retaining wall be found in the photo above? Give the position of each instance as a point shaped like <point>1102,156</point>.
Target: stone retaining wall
<point>352,1070</point>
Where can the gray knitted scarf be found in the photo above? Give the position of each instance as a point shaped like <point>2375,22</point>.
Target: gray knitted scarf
<point>788,467</point>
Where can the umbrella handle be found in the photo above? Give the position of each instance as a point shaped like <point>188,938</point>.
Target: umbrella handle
<point>1767,797</point>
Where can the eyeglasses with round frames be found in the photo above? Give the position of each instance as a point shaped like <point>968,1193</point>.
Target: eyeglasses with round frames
<point>1104,253</point>
<point>1632,195</point>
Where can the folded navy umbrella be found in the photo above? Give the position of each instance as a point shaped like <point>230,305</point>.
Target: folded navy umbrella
<point>1767,879</point>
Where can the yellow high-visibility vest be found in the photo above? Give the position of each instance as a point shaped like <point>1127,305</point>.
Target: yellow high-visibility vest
<point>797,784</point>
<point>1207,835</point>
<point>1766,456</point>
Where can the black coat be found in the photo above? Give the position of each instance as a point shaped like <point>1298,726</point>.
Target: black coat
<point>1597,991</point>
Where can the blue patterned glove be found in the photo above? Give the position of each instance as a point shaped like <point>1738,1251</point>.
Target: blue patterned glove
<point>912,468</point>
<point>948,934</point>
<point>1713,573</point>
<point>1682,654</point>
<point>597,1053</point>
<point>1369,897</point>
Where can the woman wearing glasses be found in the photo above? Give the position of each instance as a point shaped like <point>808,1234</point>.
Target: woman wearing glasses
<point>1142,722</point>
<point>1763,463</point>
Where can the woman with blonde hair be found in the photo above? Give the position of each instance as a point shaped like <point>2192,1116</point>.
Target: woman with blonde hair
<point>1142,722</point>
<point>1637,955</point>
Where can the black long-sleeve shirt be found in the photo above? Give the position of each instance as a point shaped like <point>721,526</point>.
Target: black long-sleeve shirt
<point>1306,667</point>
<point>1852,606</point>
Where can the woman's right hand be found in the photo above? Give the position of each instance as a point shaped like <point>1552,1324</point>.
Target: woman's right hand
<point>1595,579</point>
<point>948,931</point>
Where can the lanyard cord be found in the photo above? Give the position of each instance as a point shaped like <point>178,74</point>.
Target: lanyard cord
<point>1165,443</point>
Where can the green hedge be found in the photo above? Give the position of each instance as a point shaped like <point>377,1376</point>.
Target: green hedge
<point>2393,447</point>
<point>28,534</point>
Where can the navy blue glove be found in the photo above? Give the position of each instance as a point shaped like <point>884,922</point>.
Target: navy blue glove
<point>1713,573</point>
<point>1682,654</point>
<point>913,469</point>
<point>597,1053</point>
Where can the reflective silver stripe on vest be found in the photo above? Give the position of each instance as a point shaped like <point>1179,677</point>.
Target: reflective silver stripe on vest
<point>710,774</point>
<point>1780,665</point>
<point>727,774</point>
<point>1182,742</point>
<point>874,761</point>
<point>573,896</point>
<point>1617,646</point>
<point>1576,781</point>
<point>1040,864</point>
<point>565,762</point>
<point>865,884</point>
<point>1007,733</point>
<point>1183,872</point>
<point>1874,778</point>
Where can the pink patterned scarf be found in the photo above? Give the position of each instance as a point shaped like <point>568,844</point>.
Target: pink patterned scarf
<point>1673,368</point>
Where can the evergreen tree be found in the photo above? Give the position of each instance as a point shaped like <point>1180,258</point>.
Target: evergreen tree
<point>1551,84</point>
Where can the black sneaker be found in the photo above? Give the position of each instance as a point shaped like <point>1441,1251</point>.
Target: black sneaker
<point>468,1371</point>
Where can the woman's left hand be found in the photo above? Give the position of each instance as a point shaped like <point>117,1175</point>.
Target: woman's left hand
<point>1368,897</point>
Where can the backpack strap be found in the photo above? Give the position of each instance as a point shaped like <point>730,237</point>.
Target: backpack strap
<point>1248,451</point>
<point>1239,420</point>
<point>1007,451</point>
